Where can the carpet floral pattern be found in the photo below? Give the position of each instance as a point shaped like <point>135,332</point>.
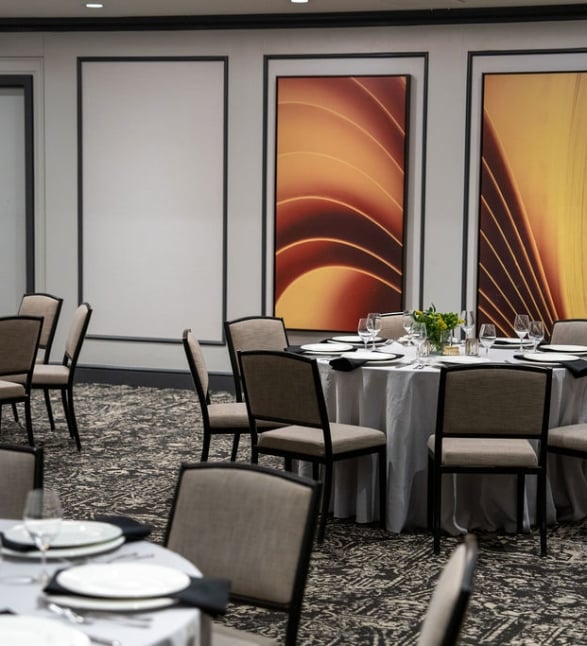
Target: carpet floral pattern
<point>366,586</point>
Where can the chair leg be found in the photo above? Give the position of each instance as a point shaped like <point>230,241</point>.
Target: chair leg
<point>383,489</point>
<point>430,490</point>
<point>327,486</point>
<point>521,486</point>
<point>288,464</point>
<point>67,398</point>
<point>234,451</point>
<point>205,448</point>
<point>15,412</point>
<point>437,494</point>
<point>29,422</point>
<point>49,408</point>
<point>541,511</point>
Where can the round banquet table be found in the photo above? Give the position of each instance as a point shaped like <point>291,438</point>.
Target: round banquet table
<point>172,626</point>
<point>402,401</point>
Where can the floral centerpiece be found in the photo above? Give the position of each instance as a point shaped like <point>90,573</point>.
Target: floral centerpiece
<point>439,325</point>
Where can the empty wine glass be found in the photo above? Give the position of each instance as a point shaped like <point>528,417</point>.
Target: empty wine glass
<point>419,338</point>
<point>42,519</point>
<point>487,336</point>
<point>521,327</point>
<point>468,324</point>
<point>374,324</point>
<point>407,322</point>
<point>536,333</point>
<point>363,331</point>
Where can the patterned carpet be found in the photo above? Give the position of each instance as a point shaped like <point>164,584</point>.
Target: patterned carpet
<point>365,586</point>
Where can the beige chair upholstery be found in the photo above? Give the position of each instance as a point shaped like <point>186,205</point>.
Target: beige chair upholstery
<point>450,598</point>
<point>392,325</point>
<point>253,333</point>
<point>21,469</point>
<point>19,339</point>
<point>569,331</point>
<point>491,419</point>
<point>568,440</point>
<point>252,525</point>
<point>221,418</point>
<point>285,388</point>
<point>60,377</point>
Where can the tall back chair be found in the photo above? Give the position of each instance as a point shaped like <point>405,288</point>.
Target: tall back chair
<point>489,418</point>
<point>285,388</point>
<point>47,307</point>
<point>569,331</point>
<point>450,599</point>
<point>19,339</point>
<point>392,325</point>
<point>223,418</point>
<point>21,469</point>
<point>49,377</point>
<point>253,333</point>
<point>252,525</point>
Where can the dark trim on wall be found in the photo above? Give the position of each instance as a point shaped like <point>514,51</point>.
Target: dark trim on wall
<point>149,378</point>
<point>306,20</point>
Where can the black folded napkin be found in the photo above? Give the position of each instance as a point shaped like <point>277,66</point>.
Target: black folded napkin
<point>345,364</point>
<point>210,595</point>
<point>132,529</point>
<point>14,546</point>
<point>296,349</point>
<point>577,367</point>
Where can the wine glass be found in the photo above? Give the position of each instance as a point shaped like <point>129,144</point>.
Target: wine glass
<point>536,333</point>
<point>407,323</point>
<point>521,327</point>
<point>363,331</point>
<point>487,336</point>
<point>468,324</point>
<point>374,324</point>
<point>42,519</point>
<point>419,337</point>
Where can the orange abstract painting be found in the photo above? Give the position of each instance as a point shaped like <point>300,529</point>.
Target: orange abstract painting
<point>533,215</point>
<point>340,199</point>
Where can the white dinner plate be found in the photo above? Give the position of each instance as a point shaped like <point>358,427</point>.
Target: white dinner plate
<point>68,552</point>
<point>355,338</point>
<point>507,340</point>
<point>461,359</point>
<point>573,349</point>
<point>72,533</point>
<point>549,357</point>
<point>368,355</point>
<point>327,348</point>
<point>23,630</point>
<point>123,580</point>
<point>111,605</point>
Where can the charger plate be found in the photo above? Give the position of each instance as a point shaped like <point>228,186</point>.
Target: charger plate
<point>68,552</point>
<point>72,533</point>
<point>111,605</point>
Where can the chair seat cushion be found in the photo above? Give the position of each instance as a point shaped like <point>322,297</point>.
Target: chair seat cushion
<point>50,374</point>
<point>228,415</point>
<point>11,390</point>
<point>486,452</point>
<point>301,439</point>
<point>572,437</point>
<point>225,636</point>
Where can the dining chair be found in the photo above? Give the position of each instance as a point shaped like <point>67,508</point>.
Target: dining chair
<point>285,388</point>
<point>489,419</point>
<point>253,333</point>
<point>21,469</point>
<point>570,440</point>
<point>569,331</point>
<point>228,418</point>
<point>450,599</point>
<point>392,325</point>
<point>252,525</point>
<point>47,307</point>
<point>19,339</point>
<point>61,377</point>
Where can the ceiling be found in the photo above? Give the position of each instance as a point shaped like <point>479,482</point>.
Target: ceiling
<point>143,8</point>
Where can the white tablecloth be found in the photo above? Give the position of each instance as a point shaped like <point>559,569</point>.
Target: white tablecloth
<point>402,402</point>
<point>168,627</point>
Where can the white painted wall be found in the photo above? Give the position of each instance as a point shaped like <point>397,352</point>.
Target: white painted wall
<point>53,59</point>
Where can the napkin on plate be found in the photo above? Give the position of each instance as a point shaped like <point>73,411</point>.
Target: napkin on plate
<point>208,594</point>
<point>346,364</point>
<point>132,529</point>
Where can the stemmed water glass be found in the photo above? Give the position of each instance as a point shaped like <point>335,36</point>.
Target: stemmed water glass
<point>536,333</point>
<point>521,327</point>
<point>374,324</point>
<point>468,324</point>
<point>419,337</point>
<point>363,331</point>
<point>487,336</point>
<point>42,519</point>
<point>407,323</point>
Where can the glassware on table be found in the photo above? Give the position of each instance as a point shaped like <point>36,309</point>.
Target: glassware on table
<point>536,333</point>
<point>407,323</point>
<point>468,324</point>
<point>374,324</point>
<point>42,519</point>
<point>419,338</point>
<point>521,327</point>
<point>487,336</point>
<point>363,331</point>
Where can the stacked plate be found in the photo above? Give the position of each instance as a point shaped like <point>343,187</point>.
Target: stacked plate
<point>124,587</point>
<point>508,342</point>
<point>355,339</point>
<point>548,357</point>
<point>572,349</point>
<point>25,630</point>
<point>75,539</point>
<point>326,348</point>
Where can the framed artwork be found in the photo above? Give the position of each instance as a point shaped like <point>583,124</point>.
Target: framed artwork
<point>532,230</point>
<point>340,197</point>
